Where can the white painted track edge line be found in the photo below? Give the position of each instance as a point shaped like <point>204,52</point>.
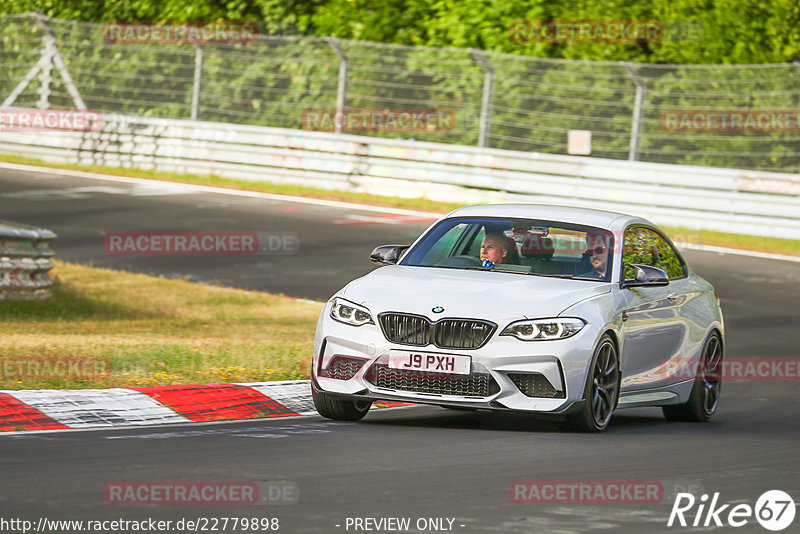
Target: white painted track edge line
<point>310,301</point>
<point>218,190</point>
<point>186,423</point>
<point>740,252</point>
<point>162,425</point>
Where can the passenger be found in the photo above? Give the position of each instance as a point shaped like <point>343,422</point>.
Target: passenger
<point>494,248</point>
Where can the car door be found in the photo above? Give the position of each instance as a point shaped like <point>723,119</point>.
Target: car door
<point>655,333</point>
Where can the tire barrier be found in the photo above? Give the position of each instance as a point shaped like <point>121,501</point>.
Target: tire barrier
<point>25,262</point>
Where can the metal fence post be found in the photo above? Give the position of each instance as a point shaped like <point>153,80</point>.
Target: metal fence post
<point>486,99</point>
<point>50,57</point>
<point>13,95</point>
<point>58,61</point>
<point>638,112</point>
<point>198,76</point>
<point>341,88</point>
<point>45,73</point>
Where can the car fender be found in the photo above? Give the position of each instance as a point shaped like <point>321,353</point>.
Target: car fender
<point>603,314</point>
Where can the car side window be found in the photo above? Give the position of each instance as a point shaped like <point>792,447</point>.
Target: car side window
<point>638,247</point>
<point>670,261</point>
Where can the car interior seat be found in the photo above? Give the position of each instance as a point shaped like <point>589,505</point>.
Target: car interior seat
<point>538,248</point>
<point>512,257</point>
<point>538,252</point>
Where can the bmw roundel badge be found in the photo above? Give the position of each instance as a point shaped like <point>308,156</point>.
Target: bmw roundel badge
<point>437,309</point>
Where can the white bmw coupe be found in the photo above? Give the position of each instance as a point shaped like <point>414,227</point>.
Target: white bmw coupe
<point>564,312</point>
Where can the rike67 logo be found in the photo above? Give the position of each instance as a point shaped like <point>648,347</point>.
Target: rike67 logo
<point>774,510</point>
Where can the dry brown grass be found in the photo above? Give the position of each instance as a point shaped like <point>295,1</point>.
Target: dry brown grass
<point>153,331</point>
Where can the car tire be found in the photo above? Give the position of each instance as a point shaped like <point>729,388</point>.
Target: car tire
<point>601,392</point>
<point>339,409</point>
<point>704,399</point>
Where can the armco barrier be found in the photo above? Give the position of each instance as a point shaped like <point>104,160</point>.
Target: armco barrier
<point>25,261</point>
<point>728,200</point>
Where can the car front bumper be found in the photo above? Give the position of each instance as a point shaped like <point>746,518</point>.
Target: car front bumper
<point>563,363</point>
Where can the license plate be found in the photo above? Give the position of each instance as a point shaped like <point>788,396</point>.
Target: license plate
<point>430,362</point>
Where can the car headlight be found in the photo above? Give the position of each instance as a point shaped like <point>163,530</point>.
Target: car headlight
<point>544,329</point>
<point>349,313</point>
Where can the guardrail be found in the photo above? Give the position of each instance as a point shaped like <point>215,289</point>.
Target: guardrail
<point>728,200</point>
<point>25,261</point>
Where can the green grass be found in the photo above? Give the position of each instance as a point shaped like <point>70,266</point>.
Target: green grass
<point>129,330</point>
<point>773,245</point>
<point>699,237</point>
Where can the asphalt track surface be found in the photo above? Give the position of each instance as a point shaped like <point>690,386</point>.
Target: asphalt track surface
<point>415,462</point>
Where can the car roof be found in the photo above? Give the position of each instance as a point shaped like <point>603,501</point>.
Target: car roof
<point>591,217</point>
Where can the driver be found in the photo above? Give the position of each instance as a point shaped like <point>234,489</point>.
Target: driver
<point>494,248</point>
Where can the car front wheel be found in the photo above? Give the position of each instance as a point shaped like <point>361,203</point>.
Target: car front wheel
<point>601,392</point>
<point>339,409</point>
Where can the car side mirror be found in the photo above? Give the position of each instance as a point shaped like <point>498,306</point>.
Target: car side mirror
<point>387,254</point>
<point>646,276</point>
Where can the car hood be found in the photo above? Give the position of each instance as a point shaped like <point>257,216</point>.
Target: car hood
<point>494,296</point>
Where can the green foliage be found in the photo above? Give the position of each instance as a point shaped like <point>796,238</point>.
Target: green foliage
<point>117,10</point>
<point>723,31</point>
<point>535,101</point>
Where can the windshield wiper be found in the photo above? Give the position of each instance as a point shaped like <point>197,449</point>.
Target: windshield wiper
<point>553,275</point>
<point>484,269</point>
<point>569,276</point>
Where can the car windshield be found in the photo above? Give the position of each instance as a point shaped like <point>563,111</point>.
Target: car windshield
<point>523,246</point>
